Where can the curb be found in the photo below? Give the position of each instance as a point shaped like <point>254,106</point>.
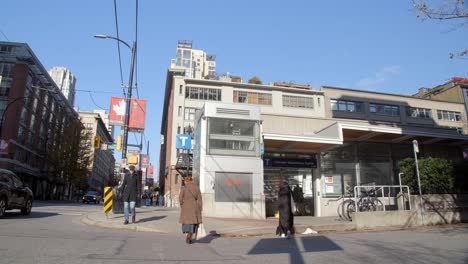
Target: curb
<point>132,227</point>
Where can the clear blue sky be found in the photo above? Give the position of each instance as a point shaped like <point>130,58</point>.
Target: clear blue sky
<point>373,45</point>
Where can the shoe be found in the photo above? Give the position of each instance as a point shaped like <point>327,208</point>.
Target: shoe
<point>288,235</point>
<point>126,222</point>
<point>283,235</point>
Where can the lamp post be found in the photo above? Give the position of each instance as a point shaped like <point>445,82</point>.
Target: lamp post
<point>129,93</point>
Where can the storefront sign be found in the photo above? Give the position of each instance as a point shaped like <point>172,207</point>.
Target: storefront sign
<point>329,179</point>
<point>290,162</point>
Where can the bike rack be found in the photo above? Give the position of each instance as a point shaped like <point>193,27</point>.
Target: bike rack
<point>357,189</point>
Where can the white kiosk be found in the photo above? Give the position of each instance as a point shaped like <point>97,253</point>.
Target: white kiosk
<point>227,162</point>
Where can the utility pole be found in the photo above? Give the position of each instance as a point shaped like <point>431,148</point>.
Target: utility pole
<point>128,101</point>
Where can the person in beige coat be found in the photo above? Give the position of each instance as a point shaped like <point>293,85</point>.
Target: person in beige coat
<point>190,208</point>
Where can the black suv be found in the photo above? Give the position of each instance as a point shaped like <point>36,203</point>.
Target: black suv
<point>13,194</point>
<point>91,197</point>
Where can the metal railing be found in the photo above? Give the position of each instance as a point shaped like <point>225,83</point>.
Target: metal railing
<point>383,194</point>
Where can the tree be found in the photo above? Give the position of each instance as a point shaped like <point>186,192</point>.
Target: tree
<point>448,10</point>
<point>437,175</point>
<point>255,80</point>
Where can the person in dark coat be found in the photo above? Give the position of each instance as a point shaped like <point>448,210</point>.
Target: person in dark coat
<point>191,206</point>
<point>129,193</point>
<point>286,217</point>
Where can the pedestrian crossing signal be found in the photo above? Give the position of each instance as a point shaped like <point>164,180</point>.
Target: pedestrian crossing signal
<point>97,142</point>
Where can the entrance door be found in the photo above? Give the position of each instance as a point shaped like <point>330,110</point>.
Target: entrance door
<point>301,183</point>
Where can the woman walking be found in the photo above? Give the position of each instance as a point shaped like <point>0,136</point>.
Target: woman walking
<point>191,207</point>
<point>286,217</point>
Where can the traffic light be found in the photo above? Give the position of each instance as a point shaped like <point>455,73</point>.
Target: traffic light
<point>119,143</point>
<point>97,142</point>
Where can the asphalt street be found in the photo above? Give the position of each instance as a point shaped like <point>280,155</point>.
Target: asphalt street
<point>54,233</point>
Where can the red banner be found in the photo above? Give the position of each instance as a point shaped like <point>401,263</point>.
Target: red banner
<point>117,111</point>
<point>137,115</point>
<point>150,170</point>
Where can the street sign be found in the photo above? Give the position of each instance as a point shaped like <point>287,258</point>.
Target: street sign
<point>183,141</point>
<point>112,146</point>
<point>415,146</point>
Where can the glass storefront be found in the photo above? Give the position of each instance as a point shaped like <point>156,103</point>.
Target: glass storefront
<point>299,179</point>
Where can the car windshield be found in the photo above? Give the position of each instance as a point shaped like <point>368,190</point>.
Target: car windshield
<point>91,193</point>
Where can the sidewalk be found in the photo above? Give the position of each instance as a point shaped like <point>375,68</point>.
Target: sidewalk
<point>166,220</point>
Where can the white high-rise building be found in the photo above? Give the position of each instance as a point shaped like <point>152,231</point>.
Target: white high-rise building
<point>196,63</point>
<point>65,81</point>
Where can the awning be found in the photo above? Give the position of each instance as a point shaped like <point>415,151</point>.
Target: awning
<point>338,132</point>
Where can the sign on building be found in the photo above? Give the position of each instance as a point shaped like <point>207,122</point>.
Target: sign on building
<point>144,161</point>
<point>183,141</point>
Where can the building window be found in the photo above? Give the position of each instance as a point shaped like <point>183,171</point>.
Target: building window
<point>189,113</point>
<point>418,112</point>
<point>176,179</point>
<point>298,101</point>
<point>200,93</point>
<point>388,110</point>
<point>179,112</point>
<point>448,115</point>
<point>178,130</point>
<point>233,137</point>
<point>180,89</point>
<point>318,101</point>
<point>346,106</point>
<point>252,98</point>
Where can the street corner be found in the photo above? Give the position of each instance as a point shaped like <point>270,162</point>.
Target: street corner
<point>114,224</point>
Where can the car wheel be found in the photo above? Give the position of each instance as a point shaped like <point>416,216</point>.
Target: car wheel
<point>83,202</point>
<point>2,206</point>
<point>26,210</point>
<point>98,202</point>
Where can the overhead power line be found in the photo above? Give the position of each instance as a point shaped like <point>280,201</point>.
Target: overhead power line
<point>118,43</point>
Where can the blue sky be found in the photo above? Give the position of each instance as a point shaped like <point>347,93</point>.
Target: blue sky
<point>372,45</point>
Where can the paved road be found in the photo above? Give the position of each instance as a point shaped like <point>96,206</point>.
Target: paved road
<point>55,234</point>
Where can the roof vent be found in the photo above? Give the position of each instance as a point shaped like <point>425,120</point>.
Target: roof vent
<point>228,111</point>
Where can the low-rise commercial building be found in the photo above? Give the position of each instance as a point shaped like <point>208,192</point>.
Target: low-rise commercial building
<point>323,142</point>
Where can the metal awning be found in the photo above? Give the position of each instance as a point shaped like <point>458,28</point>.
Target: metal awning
<point>337,133</point>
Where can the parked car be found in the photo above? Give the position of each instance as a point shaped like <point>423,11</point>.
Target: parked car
<point>14,194</point>
<point>91,197</point>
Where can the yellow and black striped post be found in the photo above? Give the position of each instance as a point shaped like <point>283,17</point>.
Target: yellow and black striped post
<point>107,200</point>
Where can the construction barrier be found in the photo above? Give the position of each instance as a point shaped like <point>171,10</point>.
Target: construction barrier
<point>107,199</point>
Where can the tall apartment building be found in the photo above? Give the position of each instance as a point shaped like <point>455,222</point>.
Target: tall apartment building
<point>102,162</point>
<point>38,122</point>
<point>325,141</point>
<point>196,63</point>
<point>65,81</point>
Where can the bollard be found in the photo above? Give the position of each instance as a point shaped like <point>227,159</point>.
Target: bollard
<point>107,200</point>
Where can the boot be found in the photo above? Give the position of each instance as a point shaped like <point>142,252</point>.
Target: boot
<point>188,238</point>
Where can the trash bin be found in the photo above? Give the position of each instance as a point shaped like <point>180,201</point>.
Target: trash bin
<point>117,202</point>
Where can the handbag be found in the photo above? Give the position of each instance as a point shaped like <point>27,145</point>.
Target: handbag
<point>201,233</point>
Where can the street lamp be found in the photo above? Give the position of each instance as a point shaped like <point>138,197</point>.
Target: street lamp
<point>129,93</point>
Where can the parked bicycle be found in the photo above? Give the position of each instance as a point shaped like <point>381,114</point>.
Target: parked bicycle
<point>368,201</point>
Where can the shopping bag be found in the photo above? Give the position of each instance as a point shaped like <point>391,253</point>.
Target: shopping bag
<point>201,233</point>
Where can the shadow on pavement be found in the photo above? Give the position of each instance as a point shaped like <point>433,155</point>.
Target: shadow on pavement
<point>34,214</point>
<point>291,247</point>
<point>209,237</point>
<point>153,218</point>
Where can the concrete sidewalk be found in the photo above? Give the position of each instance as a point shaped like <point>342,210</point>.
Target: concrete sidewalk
<point>166,220</point>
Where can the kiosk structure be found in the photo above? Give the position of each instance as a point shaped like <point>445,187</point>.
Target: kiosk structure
<point>227,162</point>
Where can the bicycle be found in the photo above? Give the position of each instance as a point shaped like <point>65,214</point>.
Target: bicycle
<point>366,202</point>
